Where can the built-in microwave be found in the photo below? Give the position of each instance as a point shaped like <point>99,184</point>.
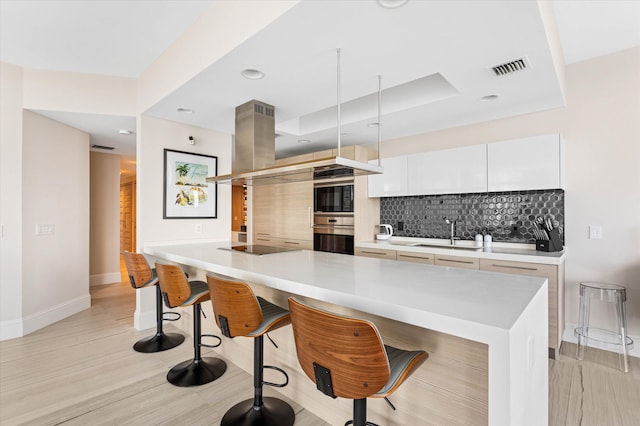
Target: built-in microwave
<point>333,197</point>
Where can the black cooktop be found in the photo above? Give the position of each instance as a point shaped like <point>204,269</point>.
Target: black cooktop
<point>257,249</point>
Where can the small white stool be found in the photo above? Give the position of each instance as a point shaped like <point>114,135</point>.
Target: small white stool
<point>609,293</point>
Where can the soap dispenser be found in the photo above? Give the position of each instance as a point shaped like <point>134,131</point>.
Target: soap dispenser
<point>488,240</point>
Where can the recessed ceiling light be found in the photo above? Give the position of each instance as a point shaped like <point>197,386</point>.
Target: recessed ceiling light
<point>124,132</point>
<point>373,124</point>
<point>392,4</point>
<point>488,98</point>
<point>184,110</point>
<point>304,141</point>
<point>252,74</point>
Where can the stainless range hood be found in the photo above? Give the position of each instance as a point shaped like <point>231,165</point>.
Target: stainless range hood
<point>254,154</point>
<point>254,150</point>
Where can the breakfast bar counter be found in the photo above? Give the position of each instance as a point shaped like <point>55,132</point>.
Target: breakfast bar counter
<point>507,313</point>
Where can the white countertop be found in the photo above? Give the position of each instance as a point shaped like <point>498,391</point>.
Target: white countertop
<point>428,296</point>
<point>497,251</point>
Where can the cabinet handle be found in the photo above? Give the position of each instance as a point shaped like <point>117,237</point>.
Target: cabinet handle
<point>291,242</point>
<point>374,252</point>
<point>263,233</point>
<point>455,261</point>
<point>515,267</point>
<point>310,217</point>
<point>413,257</point>
<point>262,239</point>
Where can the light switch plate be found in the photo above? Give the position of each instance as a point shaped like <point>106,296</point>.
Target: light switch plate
<point>595,232</point>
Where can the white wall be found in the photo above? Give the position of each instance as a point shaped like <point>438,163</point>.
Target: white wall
<point>601,129</point>
<point>75,92</point>
<point>104,235</point>
<point>55,176</point>
<point>10,201</point>
<point>153,136</point>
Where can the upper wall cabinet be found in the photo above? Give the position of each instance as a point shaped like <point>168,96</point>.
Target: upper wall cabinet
<point>526,164</point>
<point>450,171</point>
<point>393,181</point>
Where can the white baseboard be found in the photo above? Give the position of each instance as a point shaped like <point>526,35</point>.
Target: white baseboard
<point>568,336</point>
<point>29,324</point>
<point>144,320</point>
<point>10,329</point>
<point>102,279</point>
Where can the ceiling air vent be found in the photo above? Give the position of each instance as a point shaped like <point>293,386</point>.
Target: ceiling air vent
<point>510,67</point>
<point>108,148</point>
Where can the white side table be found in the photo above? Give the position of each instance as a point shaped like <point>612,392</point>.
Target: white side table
<point>608,293</point>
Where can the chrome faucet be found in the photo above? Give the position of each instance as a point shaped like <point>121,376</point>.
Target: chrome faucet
<point>453,225</point>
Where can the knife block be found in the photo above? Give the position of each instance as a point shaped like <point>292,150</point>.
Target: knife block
<point>552,244</point>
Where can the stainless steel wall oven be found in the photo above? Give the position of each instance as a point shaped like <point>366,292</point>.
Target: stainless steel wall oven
<point>333,233</point>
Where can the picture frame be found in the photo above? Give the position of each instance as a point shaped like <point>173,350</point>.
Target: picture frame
<point>187,194</point>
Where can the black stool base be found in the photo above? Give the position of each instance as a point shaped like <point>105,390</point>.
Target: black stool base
<point>158,342</point>
<point>196,373</point>
<point>272,412</point>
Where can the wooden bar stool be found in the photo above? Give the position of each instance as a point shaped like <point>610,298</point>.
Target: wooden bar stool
<point>178,291</point>
<point>346,358</point>
<point>239,312</point>
<point>141,275</point>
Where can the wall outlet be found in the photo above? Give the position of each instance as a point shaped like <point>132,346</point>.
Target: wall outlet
<point>198,228</point>
<point>595,232</point>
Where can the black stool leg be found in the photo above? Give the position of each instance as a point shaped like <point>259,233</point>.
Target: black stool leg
<point>160,341</point>
<point>197,371</point>
<point>263,411</point>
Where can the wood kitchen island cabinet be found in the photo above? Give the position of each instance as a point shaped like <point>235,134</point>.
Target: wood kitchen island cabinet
<point>487,359</point>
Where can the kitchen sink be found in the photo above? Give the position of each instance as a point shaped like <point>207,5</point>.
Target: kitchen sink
<point>440,245</point>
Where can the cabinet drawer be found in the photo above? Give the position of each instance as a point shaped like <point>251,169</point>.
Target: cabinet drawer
<point>294,244</point>
<point>409,256</point>
<point>264,240</point>
<point>520,268</point>
<point>377,253</point>
<point>457,262</point>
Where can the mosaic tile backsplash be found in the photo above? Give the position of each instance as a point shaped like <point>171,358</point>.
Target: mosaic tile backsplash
<point>507,216</point>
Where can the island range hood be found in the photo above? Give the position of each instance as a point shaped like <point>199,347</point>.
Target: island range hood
<point>254,154</point>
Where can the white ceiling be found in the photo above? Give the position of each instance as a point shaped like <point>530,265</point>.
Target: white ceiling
<point>416,48</point>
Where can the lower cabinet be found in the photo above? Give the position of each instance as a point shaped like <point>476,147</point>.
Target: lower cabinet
<point>553,273</point>
<point>409,256</point>
<point>377,253</point>
<point>555,276</point>
<point>457,262</point>
<point>293,243</point>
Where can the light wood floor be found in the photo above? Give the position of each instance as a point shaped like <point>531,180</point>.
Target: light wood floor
<point>83,371</point>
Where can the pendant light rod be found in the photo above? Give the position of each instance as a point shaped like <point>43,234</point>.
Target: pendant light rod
<point>379,115</point>
<point>339,101</point>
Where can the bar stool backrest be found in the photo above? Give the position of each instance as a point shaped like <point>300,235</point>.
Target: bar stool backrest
<point>137,268</point>
<point>350,349</point>
<point>173,283</point>
<point>234,303</point>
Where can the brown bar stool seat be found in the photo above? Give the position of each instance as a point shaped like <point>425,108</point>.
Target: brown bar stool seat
<point>239,312</point>
<point>179,292</point>
<point>346,358</point>
<point>141,275</point>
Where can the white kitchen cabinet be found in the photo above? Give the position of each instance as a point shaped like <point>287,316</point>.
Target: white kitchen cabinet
<point>450,171</point>
<point>526,164</point>
<point>393,181</point>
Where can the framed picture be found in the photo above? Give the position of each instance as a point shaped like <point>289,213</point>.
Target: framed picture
<point>187,194</point>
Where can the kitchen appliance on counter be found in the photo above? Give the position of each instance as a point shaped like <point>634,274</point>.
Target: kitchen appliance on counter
<point>333,233</point>
<point>386,231</point>
<point>333,197</point>
<point>257,249</point>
